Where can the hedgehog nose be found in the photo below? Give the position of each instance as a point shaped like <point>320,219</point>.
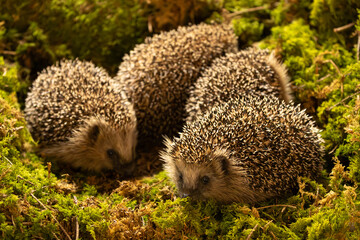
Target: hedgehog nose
<point>128,169</point>
<point>184,195</point>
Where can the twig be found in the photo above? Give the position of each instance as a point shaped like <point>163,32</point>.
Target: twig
<point>38,237</point>
<point>317,195</point>
<point>158,183</point>
<point>62,228</point>
<point>143,221</point>
<point>49,169</point>
<point>17,128</point>
<point>342,86</point>
<point>342,101</point>
<point>277,205</point>
<point>248,10</point>
<point>273,235</point>
<point>8,160</point>
<point>267,224</point>
<point>150,26</point>
<point>340,74</point>
<point>12,220</point>
<point>252,231</point>
<point>358,46</point>
<point>27,223</point>
<point>336,67</point>
<point>333,150</point>
<point>4,173</point>
<point>75,200</point>
<point>18,176</point>
<point>205,218</point>
<point>342,28</point>
<point>323,78</point>
<point>76,222</point>
<point>8,52</point>
<point>264,229</point>
<point>55,235</point>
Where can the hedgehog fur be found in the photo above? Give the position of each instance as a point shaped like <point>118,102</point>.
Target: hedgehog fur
<point>246,150</point>
<point>158,73</point>
<point>80,118</point>
<point>251,71</point>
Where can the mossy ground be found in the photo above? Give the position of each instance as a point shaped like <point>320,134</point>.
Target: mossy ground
<point>42,200</point>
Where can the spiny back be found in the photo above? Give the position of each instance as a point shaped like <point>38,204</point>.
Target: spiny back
<point>70,92</point>
<point>158,73</point>
<point>250,71</point>
<point>273,141</point>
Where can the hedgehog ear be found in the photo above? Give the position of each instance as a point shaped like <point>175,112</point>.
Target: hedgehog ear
<point>94,133</point>
<point>222,164</point>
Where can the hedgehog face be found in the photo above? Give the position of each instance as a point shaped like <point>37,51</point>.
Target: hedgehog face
<point>113,149</point>
<point>201,181</point>
<point>215,177</point>
<point>98,146</point>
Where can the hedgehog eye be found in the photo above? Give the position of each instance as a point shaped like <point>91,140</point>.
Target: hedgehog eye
<point>112,154</point>
<point>205,180</point>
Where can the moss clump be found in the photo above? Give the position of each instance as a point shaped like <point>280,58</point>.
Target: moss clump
<point>211,220</point>
<point>18,179</point>
<point>324,73</point>
<point>248,30</point>
<point>334,215</point>
<point>324,76</point>
<point>38,33</point>
<point>165,15</point>
<point>14,136</point>
<point>249,26</point>
<point>326,15</point>
<point>340,113</point>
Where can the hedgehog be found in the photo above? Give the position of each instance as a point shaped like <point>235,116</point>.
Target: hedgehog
<point>158,73</point>
<point>251,71</point>
<point>80,118</point>
<point>248,149</point>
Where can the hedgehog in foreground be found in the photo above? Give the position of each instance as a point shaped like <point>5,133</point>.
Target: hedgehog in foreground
<point>79,118</point>
<point>251,71</point>
<point>246,150</point>
<point>158,73</point>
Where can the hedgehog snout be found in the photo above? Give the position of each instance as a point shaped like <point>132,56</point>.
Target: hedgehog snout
<point>125,169</point>
<point>184,195</point>
<point>189,192</point>
<point>129,168</point>
<point>119,164</point>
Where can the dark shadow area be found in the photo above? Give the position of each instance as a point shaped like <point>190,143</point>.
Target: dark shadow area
<point>148,164</point>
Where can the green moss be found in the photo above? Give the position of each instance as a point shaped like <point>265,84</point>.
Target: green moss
<point>200,219</point>
<point>330,216</point>
<point>9,82</point>
<point>248,30</point>
<point>339,221</point>
<point>248,26</point>
<point>297,47</point>
<point>26,185</point>
<point>326,15</point>
<point>45,31</point>
<point>326,76</point>
<point>14,137</point>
